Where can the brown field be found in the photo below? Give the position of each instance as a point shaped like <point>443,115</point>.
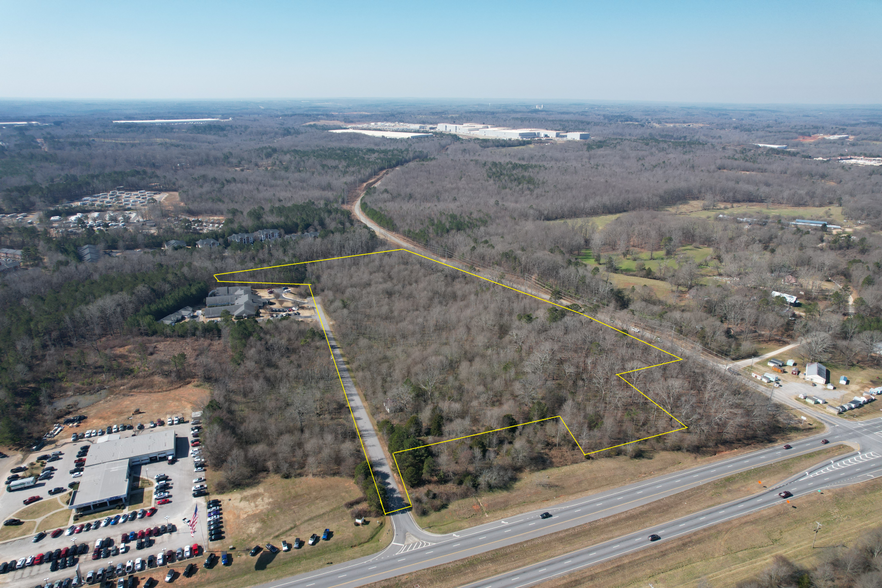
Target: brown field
<point>507,558</point>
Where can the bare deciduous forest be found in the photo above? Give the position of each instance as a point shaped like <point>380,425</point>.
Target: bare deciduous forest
<point>440,355</point>
<point>445,354</point>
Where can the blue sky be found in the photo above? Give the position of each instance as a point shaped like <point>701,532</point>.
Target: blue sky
<point>758,52</point>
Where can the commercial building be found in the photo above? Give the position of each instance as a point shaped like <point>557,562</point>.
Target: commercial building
<point>102,486</point>
<point>239,301</point>
<point>106,480</point>
<point>138,450</point>
<point>491,132</point>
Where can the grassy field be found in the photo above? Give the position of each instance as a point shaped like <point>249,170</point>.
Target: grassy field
<point>55,520</point>
<point>39,509</point>
<point>284,509</point>
<point>565,483</point>
<point>752,210</point>
<point>28,528</point>
<point>743,484</point>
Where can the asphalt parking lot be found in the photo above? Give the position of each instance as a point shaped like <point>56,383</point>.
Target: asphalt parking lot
<point>181,507</point>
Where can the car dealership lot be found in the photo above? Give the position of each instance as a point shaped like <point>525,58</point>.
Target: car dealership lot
<point>181,505</point>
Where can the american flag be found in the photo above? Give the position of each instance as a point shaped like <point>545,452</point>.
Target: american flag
<point>193,520</point>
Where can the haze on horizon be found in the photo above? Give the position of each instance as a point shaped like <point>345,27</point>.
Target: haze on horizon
<point>748,52</point>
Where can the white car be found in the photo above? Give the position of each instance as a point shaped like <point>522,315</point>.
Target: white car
<point>187,553</point>
<point>76,474</point>
<point>198,480</point>
<point>160,559</point>
<point>139,564</point>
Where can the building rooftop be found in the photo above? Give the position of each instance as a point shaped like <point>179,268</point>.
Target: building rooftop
<point>132,447</point>
<point>102,482</point>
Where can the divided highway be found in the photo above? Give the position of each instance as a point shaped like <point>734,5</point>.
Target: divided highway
<point>414,549</point>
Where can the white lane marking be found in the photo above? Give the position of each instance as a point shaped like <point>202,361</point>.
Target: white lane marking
<point>373,568</point>
<point>531,524</point>
<point>484,537</point>
<point>592,553</point>
<point>343,576</point>
<point>506,531</point>
<point>457,545</point>
<point>580,510</point>
<point>702,518</point>
<point>402,559</point>
<point>682,524</point>
<point>568,561</point>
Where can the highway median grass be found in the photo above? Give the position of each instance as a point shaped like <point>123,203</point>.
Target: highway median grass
<point>738,550</point>
<point>489,564</point>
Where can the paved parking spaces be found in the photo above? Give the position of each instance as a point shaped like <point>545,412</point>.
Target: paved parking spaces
<point>180,507</point>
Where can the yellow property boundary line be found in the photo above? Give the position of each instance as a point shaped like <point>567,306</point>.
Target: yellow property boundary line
<point>474,275</point>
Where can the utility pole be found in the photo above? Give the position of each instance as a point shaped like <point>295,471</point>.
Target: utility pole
<point>818,528</point>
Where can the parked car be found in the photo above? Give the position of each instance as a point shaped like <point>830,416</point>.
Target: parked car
<point>255,550</point>
<point>170,576</point>
<point>286,546</point>
<point>326,536</point>
<point>191,569</point>
<point>314,539</point>
<point>226,558</point>
<point>163,501</point>
<point>31,500</point>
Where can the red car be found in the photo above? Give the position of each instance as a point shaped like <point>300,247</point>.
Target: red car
<point>148,532</point>
<point>195,549</point>
<point>56,533</point>
<point>163,501</point>
<point>39,559</point>
<point>79,528</point>
<point>96,554</point>
<point>32,500</point>
<point>151,511</point>
<point>65,551</point>
<point>195,444</point>
<point>141,534</point>
<point>124,538</point>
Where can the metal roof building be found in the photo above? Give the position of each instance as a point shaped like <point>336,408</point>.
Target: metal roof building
<point>102,486</point>
<point>138,449</point>
<point>816,372</point>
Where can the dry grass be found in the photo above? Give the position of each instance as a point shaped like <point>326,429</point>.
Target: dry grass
<point>55,520</point>
<point>738,550</point>
<point>501,560</point>
<point>39,509</point>
<point>28,528</point>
